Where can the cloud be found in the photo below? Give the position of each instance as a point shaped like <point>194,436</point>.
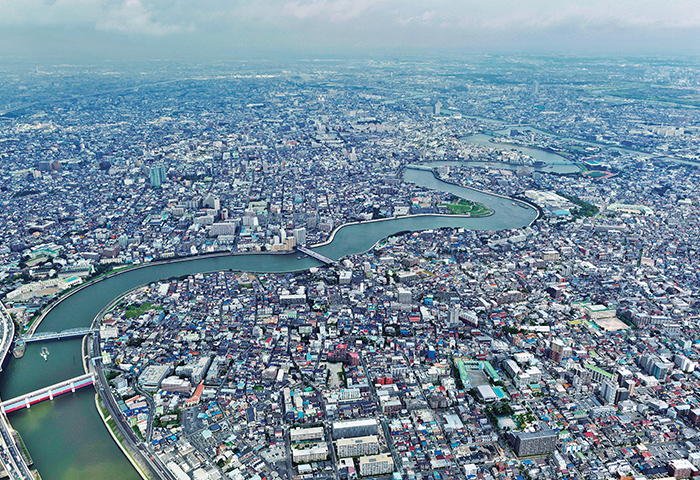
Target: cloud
<point>126,16</point>
<point>299,24</point>
<point>333,10</point>
<point>132,17</point>
<point>147,16</point>
<point>43,13</point>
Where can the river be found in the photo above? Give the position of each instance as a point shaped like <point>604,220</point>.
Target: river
<point>66,437</point>
<point>556,163</point>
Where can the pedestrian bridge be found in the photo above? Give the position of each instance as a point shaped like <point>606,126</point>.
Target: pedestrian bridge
<point>44,336</point>
<point>47,393</point>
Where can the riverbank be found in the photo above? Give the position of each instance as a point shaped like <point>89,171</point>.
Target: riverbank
<point>105,421</point>
<point>213,255</point>
<point>130,268</point>
<point>378,220</point>
<point>513,199</point>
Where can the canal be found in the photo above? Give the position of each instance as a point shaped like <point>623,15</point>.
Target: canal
<point>67,438</point>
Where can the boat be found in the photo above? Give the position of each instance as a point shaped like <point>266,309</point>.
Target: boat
<point>45,353</point>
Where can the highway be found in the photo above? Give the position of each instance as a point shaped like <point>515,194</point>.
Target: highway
<point>10,455</point>
<point>7,333</point>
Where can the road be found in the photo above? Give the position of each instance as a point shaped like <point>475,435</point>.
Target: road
<point>151,412</point>
<point>7,333</point>
<point>140,452</point>
<point>381,418</point>
<point>10,455</point>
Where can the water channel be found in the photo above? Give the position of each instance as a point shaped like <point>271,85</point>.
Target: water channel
<point>554,162</point>
<point>558,163</point>
<point>66,437</point>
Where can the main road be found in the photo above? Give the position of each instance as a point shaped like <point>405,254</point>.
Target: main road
<point>7,333</point>
<point>10,455</point>
<point>139,451</point>
<point>12,459</point>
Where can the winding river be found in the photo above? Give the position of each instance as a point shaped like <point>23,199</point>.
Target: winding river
<point>66,437</point>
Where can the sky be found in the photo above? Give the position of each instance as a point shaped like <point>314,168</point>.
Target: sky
<point>237,28</point>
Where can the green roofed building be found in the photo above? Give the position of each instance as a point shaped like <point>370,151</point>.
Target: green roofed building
<point>598,374</point>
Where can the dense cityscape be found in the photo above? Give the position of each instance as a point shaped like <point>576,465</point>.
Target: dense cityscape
<point>540,321</point>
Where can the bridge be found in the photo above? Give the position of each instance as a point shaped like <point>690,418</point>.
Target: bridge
<point>316,255</point>
<point>47,393</point>
<point>44,336</point>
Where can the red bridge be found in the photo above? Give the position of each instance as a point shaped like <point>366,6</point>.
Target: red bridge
<point>47,393</point>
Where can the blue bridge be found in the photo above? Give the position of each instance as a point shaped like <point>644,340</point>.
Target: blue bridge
<point>44,336</point>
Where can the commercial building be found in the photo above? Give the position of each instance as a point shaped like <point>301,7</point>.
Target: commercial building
<point>151,378</point>
<point>526,444</point>
<point>176,385</point>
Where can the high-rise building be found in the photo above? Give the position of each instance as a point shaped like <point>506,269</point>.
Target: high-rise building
<point>300,235</point>
<point>454,320</point>
<point>556,350</point>
<point>680,468</point>
<point>157,175</point>
<point>404,296</point>
<point>305,434</point>
<point>312,453</point>
<point>612,393</point>
<point>436,108</point>
<point>212,201</point>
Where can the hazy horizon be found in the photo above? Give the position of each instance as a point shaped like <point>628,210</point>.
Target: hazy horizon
<point>148,29</point>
